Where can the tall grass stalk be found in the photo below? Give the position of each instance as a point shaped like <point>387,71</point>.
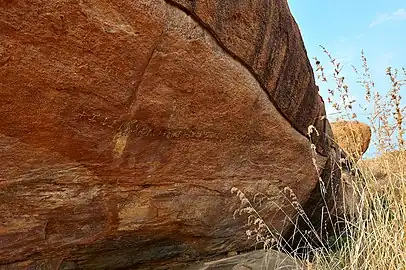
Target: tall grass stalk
<point>375,215</point>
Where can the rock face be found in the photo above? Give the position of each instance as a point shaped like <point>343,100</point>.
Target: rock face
<point>254,260</point>
<point>125,124</point>
<point>353,136</point>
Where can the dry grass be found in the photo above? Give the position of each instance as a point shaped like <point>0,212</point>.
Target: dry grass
<point>384,109</point>
<point>374,235</point>
<point>376,232</point>
<point>376,229</point>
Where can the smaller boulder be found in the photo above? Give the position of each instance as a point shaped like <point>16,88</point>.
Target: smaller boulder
<point>353,137</point>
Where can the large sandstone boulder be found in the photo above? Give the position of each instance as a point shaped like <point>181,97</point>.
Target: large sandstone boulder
<point>125,124</point>
<point>352,136</point>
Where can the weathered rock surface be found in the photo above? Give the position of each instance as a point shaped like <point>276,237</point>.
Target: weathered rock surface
<point>254,260</point>
<point>124,125</point>
<point>352,136</point>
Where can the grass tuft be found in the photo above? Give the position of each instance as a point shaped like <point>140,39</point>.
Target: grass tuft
<point>373,231</point>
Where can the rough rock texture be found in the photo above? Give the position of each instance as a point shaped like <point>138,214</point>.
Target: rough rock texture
<point>254,260</point>
<point>352,136</point>
<point>124,125</point>
<point>264,37</point>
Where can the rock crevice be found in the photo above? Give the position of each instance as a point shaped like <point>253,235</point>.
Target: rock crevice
<point>306,96</point>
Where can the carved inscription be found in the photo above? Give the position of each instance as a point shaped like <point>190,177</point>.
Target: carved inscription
<point>139,129</point>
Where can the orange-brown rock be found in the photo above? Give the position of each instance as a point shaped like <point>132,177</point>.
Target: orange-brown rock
<point>352,136</point>
<point>125,124</point>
